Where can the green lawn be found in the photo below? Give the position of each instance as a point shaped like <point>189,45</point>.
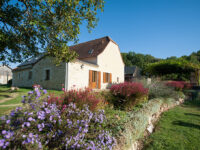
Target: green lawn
<point>178,129</point>
<point>11,99</point>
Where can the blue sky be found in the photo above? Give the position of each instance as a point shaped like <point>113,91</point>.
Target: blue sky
<point>162,28</point>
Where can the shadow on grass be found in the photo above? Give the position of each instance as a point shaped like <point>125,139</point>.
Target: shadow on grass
<point>185,124</point>
<point>190,114</point>
<point>5,96</point>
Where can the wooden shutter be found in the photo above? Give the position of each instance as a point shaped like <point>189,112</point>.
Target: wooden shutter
<point>90,78</point>
<point>99,79</point>
<point>110,77</point>
<point>104,77</point>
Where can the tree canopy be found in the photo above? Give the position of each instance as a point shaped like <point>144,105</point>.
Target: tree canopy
<point>30,27</point>
<point>137,59</point>
<point>172,69</point>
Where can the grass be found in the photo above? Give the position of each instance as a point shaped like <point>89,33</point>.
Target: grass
<point>6,110</point>
<point>178,129</point>
<point>11,99</point>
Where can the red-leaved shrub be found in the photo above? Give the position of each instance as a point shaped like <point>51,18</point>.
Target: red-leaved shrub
<point>179,85</point>
<point>128,94</point>
<point>79,97</point>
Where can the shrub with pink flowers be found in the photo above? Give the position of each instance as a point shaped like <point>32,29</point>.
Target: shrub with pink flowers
<point>43,125</point>
<point>79,97</point>
<point>128,94</point>
<point>179,85</point>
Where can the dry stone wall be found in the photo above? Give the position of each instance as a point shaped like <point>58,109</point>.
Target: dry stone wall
<point>135,142</point>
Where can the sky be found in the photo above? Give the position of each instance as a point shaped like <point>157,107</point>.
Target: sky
<point>161,28</point>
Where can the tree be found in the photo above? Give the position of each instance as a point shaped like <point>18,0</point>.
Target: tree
<point>29,27</point>
<point>173,69</point>
<point>137,59</point>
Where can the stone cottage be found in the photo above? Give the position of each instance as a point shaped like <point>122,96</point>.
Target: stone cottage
<point>5,74</point>
<point>99,64</point>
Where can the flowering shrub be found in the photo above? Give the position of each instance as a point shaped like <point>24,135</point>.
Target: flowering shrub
<point>179,85</point>
<point>40,125</point>
<point>79,97</point>
<point>128,94</point>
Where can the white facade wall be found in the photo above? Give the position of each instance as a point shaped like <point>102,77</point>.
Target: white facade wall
<point>5,74</point>
<point>78,74</point>
<point>91,60</point>
<point>110,61</point>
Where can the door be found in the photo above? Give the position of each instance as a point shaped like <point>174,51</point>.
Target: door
<point>94,79</point>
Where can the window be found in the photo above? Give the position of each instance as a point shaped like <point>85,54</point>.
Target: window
<point>107,77</point>
<point>19,75</point>
<point>94,76</point>
<point>47,74</point>
<point>30,75</point>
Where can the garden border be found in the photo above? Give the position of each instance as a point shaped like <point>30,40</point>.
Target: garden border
<point>135,139</point>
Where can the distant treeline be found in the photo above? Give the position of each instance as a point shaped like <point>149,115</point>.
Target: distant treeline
<point>171,68</point>
<point>142,60</point>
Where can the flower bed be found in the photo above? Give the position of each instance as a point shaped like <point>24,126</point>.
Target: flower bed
<point>43,125</point>
<point>77,118</point>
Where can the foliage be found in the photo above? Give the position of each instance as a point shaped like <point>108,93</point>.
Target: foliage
<point>179,69</point>
<point>193,57</point>
<point>39,125</point>
<point>34,26</point>
<point>128,94</point>
<point>79,97</point>
<point>179,85</point>
<point>158,89</point>
<point>137,59</point>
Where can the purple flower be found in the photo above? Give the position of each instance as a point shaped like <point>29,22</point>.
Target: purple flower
<point>47,110</point>
<point>28,124</point>
<point>9,135</point>
<point>30,135</point>
<point>4,132</point>
<point>3,118</point>
<point>38,93</point>
<point>12,113</point>
<point>2,142</point>
<point>30,92</point>
<point>45,91</point>
<point>31,113</point>
<point>31,119</point>
<point>41,126</point>
<point>41,115</point>
<point>8,121</point>
<point>7,143</point>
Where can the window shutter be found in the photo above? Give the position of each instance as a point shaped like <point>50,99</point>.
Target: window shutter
<point>99,80</point>
<point>110,77</point>
<point>90,78</point>
<point>104,77</point>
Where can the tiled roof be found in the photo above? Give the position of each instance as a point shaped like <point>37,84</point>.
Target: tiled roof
<point>91,48</point>
<point>85,50</point>
<point>31,60</point>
